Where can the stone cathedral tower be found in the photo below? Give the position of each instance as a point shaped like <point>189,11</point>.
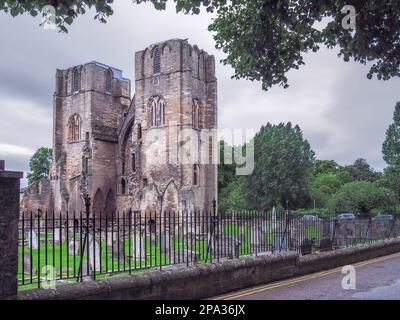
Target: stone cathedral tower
<point>88,102</point>
<point>155,152</point>
<point>168,147</point>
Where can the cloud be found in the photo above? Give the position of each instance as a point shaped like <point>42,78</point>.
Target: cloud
<point>341,113</point>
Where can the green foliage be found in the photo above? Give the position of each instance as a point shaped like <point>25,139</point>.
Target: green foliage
<point>391,146</point>
<point>324,186</point>
<point>361,171</point>
<point>226,171</point>
<point>232,197</point>
<point>362,196</point>
<point>39,165</point>
<point>325,166</point>
<point>283,170</point>
<point>264,39</point>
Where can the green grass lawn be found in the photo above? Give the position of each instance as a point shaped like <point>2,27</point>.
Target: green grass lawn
<point>66,266</point>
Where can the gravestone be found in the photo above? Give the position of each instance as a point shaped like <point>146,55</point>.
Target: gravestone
<point>165,242</point>
<point>184,256</point>
<point>257,237</point>
<point>32,236</point>
<point>153,238</point>
<point>112,236</point>
<point>306,246</point>
<point>224,245</point>
<point>280,240</point>
<point>56,235</point>
<point>28,264</point>
<point>118,249</point>
<point>139,252</point>
<point>325,244</point>
<point>73,247</point>
<point>94,254</point>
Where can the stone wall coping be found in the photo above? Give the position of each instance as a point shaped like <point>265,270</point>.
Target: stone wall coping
<point>11,174</point>
<point>148,284</point>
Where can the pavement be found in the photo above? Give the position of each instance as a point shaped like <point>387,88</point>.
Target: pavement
<point>377,279</point>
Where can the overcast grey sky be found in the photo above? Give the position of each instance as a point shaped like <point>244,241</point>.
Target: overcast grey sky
<point>342,114</point>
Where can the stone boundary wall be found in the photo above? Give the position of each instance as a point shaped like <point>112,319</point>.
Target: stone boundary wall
<point>9,213</point>
<point>203,281</point>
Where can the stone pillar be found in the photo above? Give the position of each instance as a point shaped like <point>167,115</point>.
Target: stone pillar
<point>9,215</point>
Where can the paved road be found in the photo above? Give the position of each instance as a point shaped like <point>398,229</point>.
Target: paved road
<point>375,279</point>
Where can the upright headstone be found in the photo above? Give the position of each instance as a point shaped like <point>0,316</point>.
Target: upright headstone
<point>73,247</point>
<point>138,250</point>
<point>56,235</point>
<point>118,249</point>
<point>9,209</point>
<point>28,264</point>
<point>32,236</point>
<point>94,254</point>
<point>165,242</point>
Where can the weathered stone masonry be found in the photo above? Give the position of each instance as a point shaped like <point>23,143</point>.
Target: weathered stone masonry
<point>9,211</point>
<point>130,154</point>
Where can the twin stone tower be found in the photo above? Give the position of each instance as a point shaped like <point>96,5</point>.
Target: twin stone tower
<point>154,152</point>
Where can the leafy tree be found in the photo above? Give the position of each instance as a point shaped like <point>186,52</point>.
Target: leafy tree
<point>391,180</point>
<point>226,171</point>
<point>324,186</point>
<point>39,165</point>
<point>283,169</point>
<point>362,171</point>
<point>362,196</point>
<point>325,166</point>
<point>232,198</point>
<point>391,146</point>
<point>264,39</point>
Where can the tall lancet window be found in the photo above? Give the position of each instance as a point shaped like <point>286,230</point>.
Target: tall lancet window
<point>196,115</point>
<point>162,111</point>
<point>107,81</point>
<point>76,81</point>
<point>158,111</point>
<point>196,175</point>
<point>157,61</point>
<point>74,128</point>
<point>154,113</point>
<point>195,64</point>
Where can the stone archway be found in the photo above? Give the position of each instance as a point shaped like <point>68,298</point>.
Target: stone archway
<point>110,205</point>
<point>98,203</point>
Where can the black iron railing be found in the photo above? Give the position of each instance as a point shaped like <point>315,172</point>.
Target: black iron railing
<point>70,247</point>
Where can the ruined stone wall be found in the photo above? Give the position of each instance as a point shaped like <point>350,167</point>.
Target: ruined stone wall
<point>169,151</point>
<point>37,198</point>
<point>100,111</point>
<point>126,162</point>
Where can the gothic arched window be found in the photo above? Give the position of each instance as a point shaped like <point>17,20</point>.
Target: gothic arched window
<point>139,131</point>
<point>196,175</point>
<point>196,115</point>
<point>158,111</point>
<point>107,81</point>
<point>157,61</point>
<point>133,162</point>
<point>195,64</point>
<point>123,186</point>
<point>162,111</point>
<point>154,113</point>
<point>74,128</point>
<point>76,81</point>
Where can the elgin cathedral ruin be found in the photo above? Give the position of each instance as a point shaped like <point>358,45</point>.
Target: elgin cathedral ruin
<point>156,151</point>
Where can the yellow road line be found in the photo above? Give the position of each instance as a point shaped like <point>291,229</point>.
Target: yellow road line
<point>270,286</point>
